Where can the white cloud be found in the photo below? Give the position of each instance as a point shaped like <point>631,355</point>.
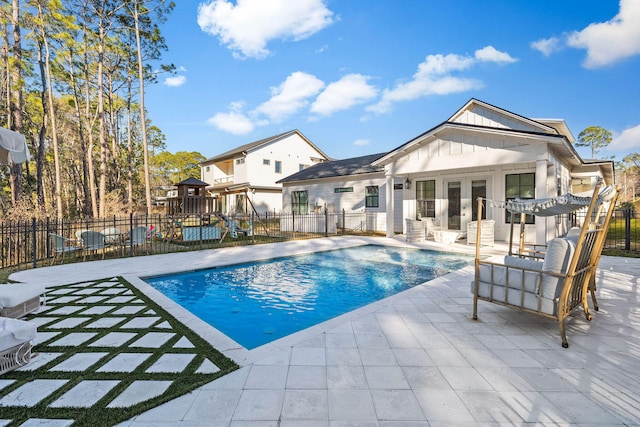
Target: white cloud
<point>182,69</point>
<point>605,42</point>
<point>361,142</point>
<point>434,77</point>
<point>175,81</point>
<point>234,121</point>
<point>491,54</point>
<point>291,96</point>
<point>628,140</point>
<point>247,26</point>
<point>350,90</point>
<point>547,46</point>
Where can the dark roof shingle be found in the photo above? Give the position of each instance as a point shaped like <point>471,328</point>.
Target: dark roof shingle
<point>334,168</point>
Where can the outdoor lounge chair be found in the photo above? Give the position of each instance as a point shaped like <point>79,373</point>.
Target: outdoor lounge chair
<point>93,241</point>
<point>61,246</point>
<point>16,337</point>
<point>19,299</point>
<point>554,287</point>
<point>431,225</point>
<point>138,237</point>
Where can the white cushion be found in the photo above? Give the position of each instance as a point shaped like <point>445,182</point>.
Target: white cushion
<point>14,332</point>
<point>16,293</point>
<point>529,264</point>
<point>557,259</point>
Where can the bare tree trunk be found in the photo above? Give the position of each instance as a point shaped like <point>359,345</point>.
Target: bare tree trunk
<point>17,99</point>
<point>54,128</point>
<point>89,153</point>
<point>143,120</point>
<point>102,190</point>
<point>43,132</point>
<point>129,150</point>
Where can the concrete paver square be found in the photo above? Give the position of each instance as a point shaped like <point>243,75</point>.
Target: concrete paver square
<point>445,406</point>
<point>259,405</point>
<point>113,339</point>
<point>92,299</point>
<point>78,362</point>
<point>39,422</point>
<point>85,291</point>
<point>397,405</point>
<point>171,363</point>
<point>121,300</point>
<point>308,356</point>
<point>85,394</point>
<point>67,309</point>
<point>68,323</point>
<point>207,367</point>
<point>129,309</point>
<point>98,309</point>
<point>140,323</point>
<point>182,342</point>
<point>124,362</point>
<point>153,339</point>
<point>105,322</point>
<point>39,360</point>
<point>112,291</point>
<point>31,393</point>
<point>307,377</point>
<point>74,339</point>
<point>267,376</point>
<point>214,405</point>
<point>305,405</point>
<point>63,300</point>
<point>139,391</point>
<point>351,405</point>
<point>389,377</point>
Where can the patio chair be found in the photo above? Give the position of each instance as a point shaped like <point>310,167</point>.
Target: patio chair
<point>61,246</point>
<point>139,236</point>
<point>554,287</point>
<point>16,337</point>
<point>19,299</point>
<point>93,241</point>
<point>431,225</point>
<point>112,236</point>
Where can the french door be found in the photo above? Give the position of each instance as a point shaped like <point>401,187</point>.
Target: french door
<point>460,201</point>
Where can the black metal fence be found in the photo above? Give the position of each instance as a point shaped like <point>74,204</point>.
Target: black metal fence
<point>34,243</point>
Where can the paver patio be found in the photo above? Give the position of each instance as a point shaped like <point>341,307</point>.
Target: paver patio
<point>414,359</point>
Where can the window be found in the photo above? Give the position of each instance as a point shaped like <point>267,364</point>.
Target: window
<point>371,197</point>
<point>278,166</point>
<point>520,186</point>
<point>343,190</point>
<point>208,168</point>
<point>302,167</point>
<point>426,198</point>
<point>299,202</point>
<point>266,162</point>
<point>240,161</point>
<point>478,190</point>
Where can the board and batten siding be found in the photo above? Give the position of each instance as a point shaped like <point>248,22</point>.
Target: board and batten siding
<point>480,116</point>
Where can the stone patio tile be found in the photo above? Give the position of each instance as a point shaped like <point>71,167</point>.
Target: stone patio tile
<point>462,378</point>
<point>60,291</point>
<point>351,405</point>
<point>207,367</point>
<point>40,360</point>
<point>84,394</point>
<point>129,309</point>
<point>153,339</point>
<point>267,377</point>
<point>182,342</point>
<point>81,285</point>
<point>343,357</point>
<point>378,357</point>
<point>39,321</point>
<point>346,377</point>
<point>110,284</point>
<point>412,357</point>
<point>263,405</point>
<point>139,391</point>
<point>210,406</point>
<point>74,339</point>
<point>5,383</point>
<point>105,322</point>
<point>140,323</point>
<point>62,300</point>
<point>121,300</point>
<point>124,362</point>
<point>40,422</point>
<point>68,309</point>
<point>387,377</point>
<point>445,406</point>
<point>171,363</point>
<point>307,377</point>
<point>488,406</point>
<point>425,377</point>
<point>308,356</point>
<point>98,309</point>
<point>91,299</point>
<point>113,291</point>
<point>164,325</point>
<point>171,413</point>
<point>78,362</point>
<point>305,405</point>
<point>397,405</point>
<point>85,291</point>
<point>68,323</point>
<point>113,339</point>
<point>31,393</point>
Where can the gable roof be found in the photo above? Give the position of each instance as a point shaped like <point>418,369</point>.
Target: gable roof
<point>257,144</point>
<point>193,182</point>
<point>352,166</point>
<point>548,129</point>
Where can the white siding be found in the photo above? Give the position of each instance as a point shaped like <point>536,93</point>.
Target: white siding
<point>481,116</point>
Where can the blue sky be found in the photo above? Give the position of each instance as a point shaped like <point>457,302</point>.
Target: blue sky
<point>364,76</point>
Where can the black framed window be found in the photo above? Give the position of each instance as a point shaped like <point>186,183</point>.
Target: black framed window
<point>520,186</point>
<point>426,198</point>
<point>278,166</point>
<point>299,202</point>
<point>371,196</point>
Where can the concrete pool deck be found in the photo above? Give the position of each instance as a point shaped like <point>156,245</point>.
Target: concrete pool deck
<point>413,359</point>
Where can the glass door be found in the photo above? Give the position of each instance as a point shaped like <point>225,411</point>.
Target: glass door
<point>454,208</point>
<point>462,201</point>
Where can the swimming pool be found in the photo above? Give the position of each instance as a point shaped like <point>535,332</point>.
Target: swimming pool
<point>256,303</point>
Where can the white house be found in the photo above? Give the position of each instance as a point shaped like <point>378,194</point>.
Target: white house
<point>350,185</point>
<point>250,172</point>
<point>480,151</point>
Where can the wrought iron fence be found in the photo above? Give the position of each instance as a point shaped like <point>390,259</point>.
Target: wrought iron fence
<point>33,243</point>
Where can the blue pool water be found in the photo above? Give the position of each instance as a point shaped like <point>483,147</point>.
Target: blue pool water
<point>256,303</point>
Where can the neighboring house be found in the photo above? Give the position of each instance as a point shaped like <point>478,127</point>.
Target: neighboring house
<point>250,172</point>
<point>480,151</point>
<point>351,185</point>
